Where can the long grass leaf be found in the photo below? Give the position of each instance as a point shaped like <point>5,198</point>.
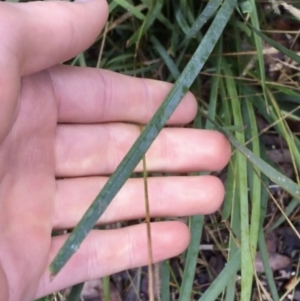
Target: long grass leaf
<point>191,258</point>
<point>221,281</point>
<point>197,221</point>
<point>254,174</point>
<point>151,16</point>
<point>135,12</point>
<point>259,48</point>
<point>135,154</point>
<point>205,15</point>
<point>276,45</point>
<point>165,281</point>
<point>267,269</point>
<point>165,56</point>
<point>291,207</point>
<point>241,170</point>
<point>181,19</point>
<point>274,175</point>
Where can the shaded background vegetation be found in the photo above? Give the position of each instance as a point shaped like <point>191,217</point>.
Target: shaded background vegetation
<point>249,86</point>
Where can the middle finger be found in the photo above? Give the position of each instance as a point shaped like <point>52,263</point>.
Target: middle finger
<point>85,150</point>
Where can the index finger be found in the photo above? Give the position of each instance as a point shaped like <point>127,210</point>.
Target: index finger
<point>88,95</point>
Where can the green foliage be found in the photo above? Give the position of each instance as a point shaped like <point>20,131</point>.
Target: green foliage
<point>217,50</point>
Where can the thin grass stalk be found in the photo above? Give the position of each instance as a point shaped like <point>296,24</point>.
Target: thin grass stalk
<point>241,167</point>
<point>275,176</point>
<point>191,257</point>
<point>202,19</point>
<point>131,8</point>
<point>235,222</point>
<point>165,280</point>
<point>253,175</point>
<point>267,269</point>
<point>152,15</point>
<point>197,221</point>
<point>106,288</point>
<point>259,48</point>
<point>293,204</point>
<point>165,57</point>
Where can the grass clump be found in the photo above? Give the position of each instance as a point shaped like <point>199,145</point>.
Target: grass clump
<point>240,59</point>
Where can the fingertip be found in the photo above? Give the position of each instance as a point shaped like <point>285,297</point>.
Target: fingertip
<point>170,240</point>
<point>217,150</point>
<point>224,151</point>
<point>189,106</point>
<point>212,194</point>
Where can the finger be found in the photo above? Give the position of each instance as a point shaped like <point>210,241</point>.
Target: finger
<point>169,197</point>
<point>106,252</point>
<point>44,34</point>
<point>87,95</point>
<point>98,149</point>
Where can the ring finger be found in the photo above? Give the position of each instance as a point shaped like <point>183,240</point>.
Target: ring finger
<point>168,196</point>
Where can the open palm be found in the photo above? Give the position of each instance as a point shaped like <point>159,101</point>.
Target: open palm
<point>63,130</point>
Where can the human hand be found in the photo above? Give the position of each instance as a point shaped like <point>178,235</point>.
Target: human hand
<point>63,131</point>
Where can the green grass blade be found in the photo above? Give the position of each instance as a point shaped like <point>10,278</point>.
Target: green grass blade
<point>221,281</point>
<point>151,16</point>
<point>254,174</point>
<point>274,175</point>
<point>75,294</point>
<point>106,288</point>
<point>259,48</point>
<point>165,56</point>
<point>197,221</point>
<point>135,154</point>
<point>274,116</point>
<point>81,60</point>
<point>112,6</point>
<point>181,19</point>
<point>135,12</point>
<point>205,15</point>
<point>183,6</point>
<point>276,45</point>
<point>119,60</point>
<point>165,281</point>
<point>235,221</point>
<point>162,19</point>
<point>268,271</point>
<point>191,258</point>
<point>230,188</point>
<point>294,203</point>
<point>213,99</point>
<point>176,36</point>
<point>242,192</point>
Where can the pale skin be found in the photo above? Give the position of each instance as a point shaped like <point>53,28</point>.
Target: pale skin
<point>61,121</point>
